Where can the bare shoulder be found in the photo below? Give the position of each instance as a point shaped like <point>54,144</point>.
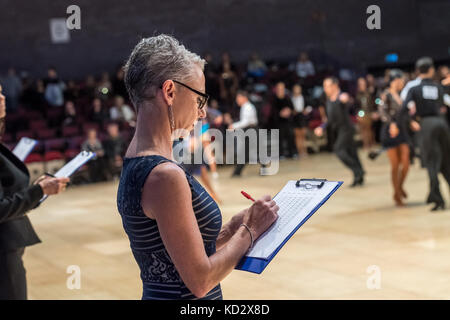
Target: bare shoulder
<point>165,175</point>
<point>165,189</point>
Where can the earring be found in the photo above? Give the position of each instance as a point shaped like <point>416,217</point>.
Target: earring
<point>171,120</point>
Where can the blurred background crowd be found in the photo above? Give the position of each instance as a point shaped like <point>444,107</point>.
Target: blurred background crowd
<point>95,114</point>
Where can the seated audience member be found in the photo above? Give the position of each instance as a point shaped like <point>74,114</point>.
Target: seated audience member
<point>72,91</point>
<point>226,60</point>
<point>114,147</point>
<point>118,84</point>
<point>228,83</point>
<point>211,77</point>
<point>122,112</point>
<point>104,87</point>
<point>32,96</point>
<point>70,114</point>
<point>282,119</point>
<point>88,88</point>
<point>12,88</point>
<point>304,67</point>
<point>54,89</point>
<point>301,113</point>
<point>96,165</point>
<point>256,68</point>
<point>99,114</point>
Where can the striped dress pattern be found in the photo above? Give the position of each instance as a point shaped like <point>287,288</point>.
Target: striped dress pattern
<point>160,279</point>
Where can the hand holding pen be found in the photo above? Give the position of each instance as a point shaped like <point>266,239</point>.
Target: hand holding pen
<point>260,216</point>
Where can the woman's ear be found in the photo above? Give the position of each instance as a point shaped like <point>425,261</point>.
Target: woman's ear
<point>168,90</point>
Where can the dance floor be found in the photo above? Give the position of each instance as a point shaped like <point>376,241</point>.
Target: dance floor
<point>330,257</point>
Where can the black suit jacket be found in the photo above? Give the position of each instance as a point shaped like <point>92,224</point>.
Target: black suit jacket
<point>16,199</point>
<point>338,117</point>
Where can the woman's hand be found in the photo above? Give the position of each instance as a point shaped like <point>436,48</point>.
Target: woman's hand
<point>261,215</point>
<point>393,130</point>
<point>52,186</point>
<point>318,131</point>
<point>285,112</point>
<point>415,126</point>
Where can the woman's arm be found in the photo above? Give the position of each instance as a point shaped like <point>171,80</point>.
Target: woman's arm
<point>229,229</point>
<point>166,197</point>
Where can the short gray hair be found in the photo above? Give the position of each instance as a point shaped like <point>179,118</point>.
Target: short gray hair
<point>155,60</point>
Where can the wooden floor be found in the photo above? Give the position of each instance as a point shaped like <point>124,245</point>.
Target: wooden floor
<point>327,258</point>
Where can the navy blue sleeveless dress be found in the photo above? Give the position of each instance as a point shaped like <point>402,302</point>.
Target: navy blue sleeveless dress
<point>159,276</point>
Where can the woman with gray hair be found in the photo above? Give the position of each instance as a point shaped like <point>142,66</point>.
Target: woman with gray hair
<point>174,226</point>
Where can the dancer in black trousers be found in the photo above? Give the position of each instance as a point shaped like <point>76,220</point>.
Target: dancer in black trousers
<point>424,101</point>
<point>339,120</point>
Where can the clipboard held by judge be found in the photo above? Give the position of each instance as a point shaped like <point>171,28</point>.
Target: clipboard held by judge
<point>298,201</point>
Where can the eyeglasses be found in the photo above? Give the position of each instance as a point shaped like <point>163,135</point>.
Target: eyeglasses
<point>201,101</point>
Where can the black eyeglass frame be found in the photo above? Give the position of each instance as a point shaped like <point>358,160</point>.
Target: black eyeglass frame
<point>201,94</point>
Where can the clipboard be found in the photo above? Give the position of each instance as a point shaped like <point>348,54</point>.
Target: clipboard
<point>257,265</point>
<point>72,166</point>
<point>24,148</point>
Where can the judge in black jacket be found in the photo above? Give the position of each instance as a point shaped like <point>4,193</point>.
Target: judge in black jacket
<point>16,199</point>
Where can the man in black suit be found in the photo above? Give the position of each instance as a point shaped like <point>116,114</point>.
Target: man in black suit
<point>339,120</point>
<point>424,101</point>
<point>16,231</point>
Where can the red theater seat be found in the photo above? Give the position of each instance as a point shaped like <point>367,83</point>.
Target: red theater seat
<point>75,142</point>
<point>70,131</point>
<point>70,154</point>
<point>37,125</point>
<point>55,144</point>
<point>25,133</point>
<point>34,157</point>
<point>53,155</point>
<point>91,125</point>
<point>7,138</point>
<point>44,134</point>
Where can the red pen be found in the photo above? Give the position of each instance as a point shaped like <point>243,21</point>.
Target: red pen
<point>245,194</point>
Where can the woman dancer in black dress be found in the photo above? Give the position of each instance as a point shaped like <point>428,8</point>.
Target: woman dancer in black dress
<point>396,144</point>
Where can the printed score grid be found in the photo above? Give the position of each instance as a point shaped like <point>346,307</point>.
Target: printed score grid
<point>295,203</point>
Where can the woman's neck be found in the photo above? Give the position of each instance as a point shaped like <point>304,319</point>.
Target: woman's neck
<point>153,134</point>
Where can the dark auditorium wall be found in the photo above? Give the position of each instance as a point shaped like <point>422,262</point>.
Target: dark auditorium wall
<point>275,28</point>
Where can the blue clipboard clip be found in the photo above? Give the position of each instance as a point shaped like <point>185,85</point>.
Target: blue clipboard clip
<point>257,265</point>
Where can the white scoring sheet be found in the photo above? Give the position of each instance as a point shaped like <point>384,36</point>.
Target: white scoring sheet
<point>295,203</point>
<point>24,147</point>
